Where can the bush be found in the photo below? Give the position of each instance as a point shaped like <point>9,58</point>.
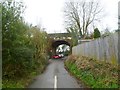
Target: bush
<point>96,33</point>
<point>22,45</point>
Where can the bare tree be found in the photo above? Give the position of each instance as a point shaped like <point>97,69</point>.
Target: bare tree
<point>80,15</point>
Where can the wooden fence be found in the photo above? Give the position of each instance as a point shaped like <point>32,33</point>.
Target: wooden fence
<point>104,48</point>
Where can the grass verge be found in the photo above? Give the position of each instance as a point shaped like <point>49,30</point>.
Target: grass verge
<point>22,82</point>
<point>93,73</point>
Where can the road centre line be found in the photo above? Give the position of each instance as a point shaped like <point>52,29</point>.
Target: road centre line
<point>55,82</point>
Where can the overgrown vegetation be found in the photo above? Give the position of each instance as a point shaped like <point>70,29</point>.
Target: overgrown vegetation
<point>24,47</point>
<point>94,74</point>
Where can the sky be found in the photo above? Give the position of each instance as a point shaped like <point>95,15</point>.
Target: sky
<point>49,14</point>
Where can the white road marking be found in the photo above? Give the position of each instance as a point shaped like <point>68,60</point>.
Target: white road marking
<point>55,82</point>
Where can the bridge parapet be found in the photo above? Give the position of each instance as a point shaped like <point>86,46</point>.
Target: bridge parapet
<point>59,36</point>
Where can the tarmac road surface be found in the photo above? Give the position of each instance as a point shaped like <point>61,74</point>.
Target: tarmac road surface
<point>55,76</point>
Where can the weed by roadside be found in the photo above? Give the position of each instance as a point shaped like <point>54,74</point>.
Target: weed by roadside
<point>24,81</point>
<point>95,74</point>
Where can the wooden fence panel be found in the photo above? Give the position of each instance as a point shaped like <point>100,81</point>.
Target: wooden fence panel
<point>104,48</point>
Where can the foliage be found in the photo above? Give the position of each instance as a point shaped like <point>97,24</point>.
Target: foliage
<point>118,30</point>
<point>24,47</point>
<point>96,33</point>
<point>74,35</point>
<point>20,83</point>
<point>94,74</point>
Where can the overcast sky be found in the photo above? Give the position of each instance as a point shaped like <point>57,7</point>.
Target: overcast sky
<point>49,14</point>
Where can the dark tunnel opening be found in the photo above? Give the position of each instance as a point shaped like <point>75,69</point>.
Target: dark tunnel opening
<point>55,44</point>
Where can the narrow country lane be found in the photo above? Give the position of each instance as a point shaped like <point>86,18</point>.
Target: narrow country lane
<point>55,76</point>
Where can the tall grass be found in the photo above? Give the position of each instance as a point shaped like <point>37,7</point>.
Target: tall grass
<point>93,73</point>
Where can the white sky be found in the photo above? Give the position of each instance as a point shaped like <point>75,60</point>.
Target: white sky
<point>49,14</point>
